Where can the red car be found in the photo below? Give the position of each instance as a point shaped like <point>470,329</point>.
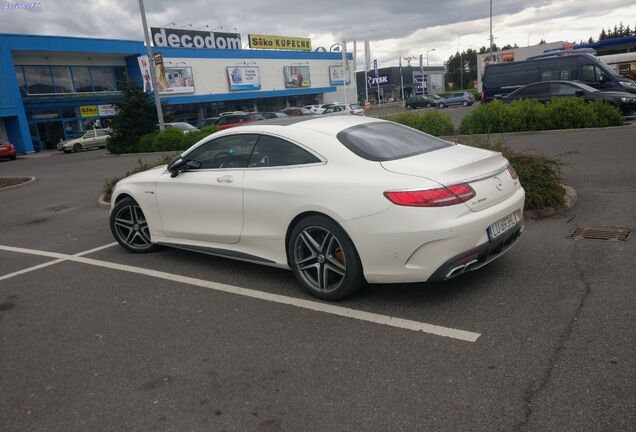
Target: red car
<point>295,111</point>
<point>231,120</point>
<point>7,149</point>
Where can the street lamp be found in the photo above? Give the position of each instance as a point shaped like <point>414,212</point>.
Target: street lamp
<point>428,72</point>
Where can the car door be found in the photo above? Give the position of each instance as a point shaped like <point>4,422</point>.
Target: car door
<point>275,187</point>
<point>205,201</point>
<point>100,138</point>
<point>88,139</point>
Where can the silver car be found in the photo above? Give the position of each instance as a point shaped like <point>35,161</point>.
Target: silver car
<point>91,139</point>
<point>342,109</point>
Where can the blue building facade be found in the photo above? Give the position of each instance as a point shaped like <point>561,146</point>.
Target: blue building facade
<point>54,88</point>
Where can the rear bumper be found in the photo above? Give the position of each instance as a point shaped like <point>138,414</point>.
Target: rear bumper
<point>477,257</point>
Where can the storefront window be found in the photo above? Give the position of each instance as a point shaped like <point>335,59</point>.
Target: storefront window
<point>81,79</point>
<point>103,79</point>
<point>72,129</point>
<point>19,75</point>
<point>38,79</point>
<point>62,79</point>
<point>69,112</point>
<point>121,76</point>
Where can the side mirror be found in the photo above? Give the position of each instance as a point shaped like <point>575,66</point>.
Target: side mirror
<point>176,166</point>
<point>602,78</point>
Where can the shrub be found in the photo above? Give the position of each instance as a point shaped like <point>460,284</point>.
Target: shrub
<point>431,122</point>
<point>167,140</point>
<point>540,175</point>
<point>528,115</point>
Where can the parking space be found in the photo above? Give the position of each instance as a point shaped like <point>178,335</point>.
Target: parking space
<point>175,340</point>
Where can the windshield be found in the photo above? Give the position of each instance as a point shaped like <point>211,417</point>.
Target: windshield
<point>384,141</point>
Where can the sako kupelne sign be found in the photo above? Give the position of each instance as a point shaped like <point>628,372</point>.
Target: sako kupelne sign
<point>179,38</point>
<point>279,42</point>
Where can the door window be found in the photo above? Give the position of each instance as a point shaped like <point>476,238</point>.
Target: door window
<point>101,132</point>
<point>590,73</point>
<point>271,151</point>
<point>89,134</point>
<point>560,89</point>
<point>231,151</point>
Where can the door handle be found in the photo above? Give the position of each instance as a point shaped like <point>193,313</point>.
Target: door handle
<point>225,179</point>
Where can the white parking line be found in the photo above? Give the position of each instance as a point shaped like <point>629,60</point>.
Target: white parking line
<point>246,292</point>
<point>57,261</point>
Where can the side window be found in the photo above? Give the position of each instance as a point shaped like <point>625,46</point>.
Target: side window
<point>271,151</point>
<point>559,89</point>
<point>101,132</point>
<point>89,134</point>
<point>231,151</point>
<point>566,74</point>
<point>549,75</point>
<point>588,72</point>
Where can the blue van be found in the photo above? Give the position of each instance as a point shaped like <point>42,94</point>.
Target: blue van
<point>503,78</point>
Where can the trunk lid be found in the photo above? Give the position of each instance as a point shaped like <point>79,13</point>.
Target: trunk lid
<point>484,170</point>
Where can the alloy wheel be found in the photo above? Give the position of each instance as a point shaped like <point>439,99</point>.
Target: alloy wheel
<point>319,259</point>
<point>131,227</point>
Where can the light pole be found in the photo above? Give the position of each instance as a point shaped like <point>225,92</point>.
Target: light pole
<point>151,61</point>
<point>428,72</point>
<point>491,59</point>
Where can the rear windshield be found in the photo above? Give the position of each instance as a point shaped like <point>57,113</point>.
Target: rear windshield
<point>355,106</point>
<point>384,141</point>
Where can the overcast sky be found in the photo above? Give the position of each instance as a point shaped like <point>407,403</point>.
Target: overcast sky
<point>394,27</point>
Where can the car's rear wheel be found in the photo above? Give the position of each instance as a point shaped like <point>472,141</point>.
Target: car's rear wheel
<point>442,105</point>
<point>130,228</point>
<point>324,259</point>
<point>428,105</point>
<point>408,107</point>
<point>77,148</point>
<point>465,103</point>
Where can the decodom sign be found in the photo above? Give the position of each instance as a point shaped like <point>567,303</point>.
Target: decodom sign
<point>179,38</point>
<point>279,42</point>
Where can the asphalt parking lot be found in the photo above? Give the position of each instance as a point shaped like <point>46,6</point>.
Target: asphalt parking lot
<point>94,338</point>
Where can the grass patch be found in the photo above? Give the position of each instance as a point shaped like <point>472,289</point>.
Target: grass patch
<point>540,175</point>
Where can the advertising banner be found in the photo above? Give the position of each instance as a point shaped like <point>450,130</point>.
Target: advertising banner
<point>381,80</point>
<point>420,81</point>
<point>144,68</point>
<point>337,75</point>
<point>176,80</point>
<point>244,77</point>
<point>297,76</point>
<point>106,110</point>
<point>279,42</point>
<point>179,38</point>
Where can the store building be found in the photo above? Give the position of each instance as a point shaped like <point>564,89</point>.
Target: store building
<point>388,86</point>
<point>54,87</point>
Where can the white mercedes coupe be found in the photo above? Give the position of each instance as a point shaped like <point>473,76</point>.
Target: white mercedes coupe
<point>339,200</point>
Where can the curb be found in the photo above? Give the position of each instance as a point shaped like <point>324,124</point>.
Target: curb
<point>101,202</point>
<point>570,199</point>
<point>31,180</point>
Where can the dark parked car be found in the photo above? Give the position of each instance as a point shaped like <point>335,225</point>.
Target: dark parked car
<point>423,101</point>
<point>503,78</point>
<point>457,98</point>
<point>210,121</point>
<point>546,90</point>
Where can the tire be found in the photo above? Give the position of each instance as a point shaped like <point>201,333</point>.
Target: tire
<point>324,259</point>
<point>465,103</point>
<point>77,148</point>
<point>409,107</point>
<point>428,105</point>
<point>12,157</point>
<point>442,105</point>
<point>129,227</point>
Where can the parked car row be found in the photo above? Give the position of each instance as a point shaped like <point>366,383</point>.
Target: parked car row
<point>436,101</point>
<point>7,149</point>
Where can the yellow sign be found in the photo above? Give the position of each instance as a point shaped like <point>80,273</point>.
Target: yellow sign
<point>89,111</point>
<point>279,42</point>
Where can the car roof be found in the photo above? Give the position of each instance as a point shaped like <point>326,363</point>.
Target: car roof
<point>324,123</point>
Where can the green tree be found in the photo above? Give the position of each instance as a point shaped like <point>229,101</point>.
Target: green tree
<point>136,116</point>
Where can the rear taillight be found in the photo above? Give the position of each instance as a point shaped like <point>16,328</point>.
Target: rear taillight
<point>512,172</point>
<point>439,197</point>
<point>352,112</point>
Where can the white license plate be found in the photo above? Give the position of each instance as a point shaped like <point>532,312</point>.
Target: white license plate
<point>502,225</point>
<point>4,148</point>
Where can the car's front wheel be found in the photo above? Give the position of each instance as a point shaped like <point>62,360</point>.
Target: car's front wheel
<point>130,228</point>
<point>465,103</point>
<point>77,148</point>
<point>324,259</point>
<point>441,105</point>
